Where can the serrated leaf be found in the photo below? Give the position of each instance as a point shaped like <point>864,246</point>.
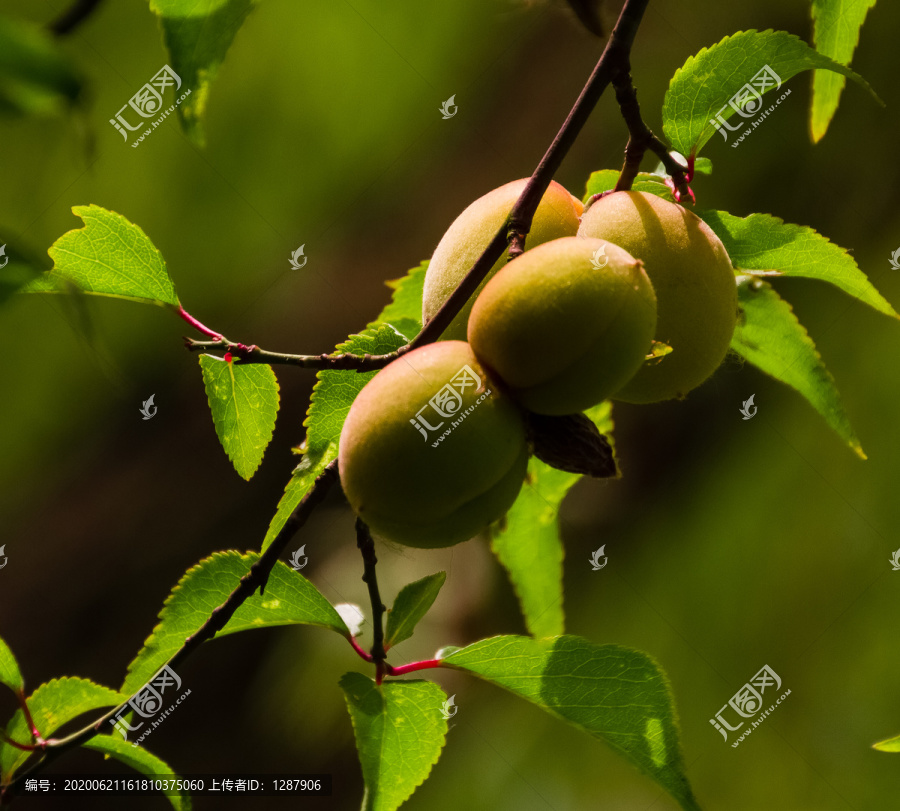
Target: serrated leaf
<point>290,599</point>
<point>411,605</point>
<point>243,399</point>
<point>703,86</point>
<point>613,693</point>
<point>527,542</point>
<point>139,759</point>
<point>36,76</point>
<point>769,335</point>
<point>764,242</point>
<point>399,732</point>
<point>606,179</point>
<point>10,675</point>
<point>110,256</point>
<point>333,394</point>
<point>405,309</point>
<point>836,25</point>
<point>198,34</point>
<point>52,705</point>
<point>889,745</point>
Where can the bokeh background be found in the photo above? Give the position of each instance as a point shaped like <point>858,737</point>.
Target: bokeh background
<point>731,543</point>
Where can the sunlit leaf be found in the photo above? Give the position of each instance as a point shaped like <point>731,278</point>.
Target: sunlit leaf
<point>411,605</point>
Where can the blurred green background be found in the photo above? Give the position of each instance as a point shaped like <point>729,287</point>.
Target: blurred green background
<point>731,544</point>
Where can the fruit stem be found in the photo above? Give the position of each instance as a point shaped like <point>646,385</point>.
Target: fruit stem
<point>426,664</point>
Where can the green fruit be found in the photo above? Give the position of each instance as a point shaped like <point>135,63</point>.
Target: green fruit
<point>432,452</point>
<point>694,283</point>
<point>471,232</point>
<point>566,324</point>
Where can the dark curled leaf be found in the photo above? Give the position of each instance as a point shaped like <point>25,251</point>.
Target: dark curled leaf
<point>572,443</point>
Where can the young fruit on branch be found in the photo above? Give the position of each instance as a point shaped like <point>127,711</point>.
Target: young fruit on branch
<point>566,324</point>
<point>432,452</point>
<point>694,282</point>
<point>471,232</point>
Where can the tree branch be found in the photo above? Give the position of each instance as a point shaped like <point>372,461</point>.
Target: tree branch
<point>255,579</point>
<point>614,61</point>
<point>72,17</point>
<point>370,578</point>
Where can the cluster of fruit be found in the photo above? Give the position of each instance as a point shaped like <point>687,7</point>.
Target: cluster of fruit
<point>568,323</point>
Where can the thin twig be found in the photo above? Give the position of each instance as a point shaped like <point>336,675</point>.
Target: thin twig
<point>254,579</point>
<point>370,578</point>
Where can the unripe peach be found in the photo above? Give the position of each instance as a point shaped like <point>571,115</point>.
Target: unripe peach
<point>432,452</point>
<point>471,232</point>
<point>694,282</point>
<point>566,324</point>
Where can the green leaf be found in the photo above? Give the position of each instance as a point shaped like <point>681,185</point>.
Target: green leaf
<point>52,705</point>
<point>411,605</point>
<point>770,337</point>
<point>141,761</point>
<point>618,695</point>
<point>836,25</point>
<point>198,34</point>
<point>290,599</point>
<point>399,731</point>
<point>36,76</point>
<point>703,86</point>
<point>606,179</point>
<point>890,745</point>
<point>527,541</point>
<point>764,242</point>
<point>10,675</point>
<point>405,309</point>
<point>243,399</point>
<point>332,397</point>
<point>110,256</point>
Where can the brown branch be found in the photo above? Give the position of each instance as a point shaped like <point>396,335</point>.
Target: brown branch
<point>367,546</point>
<point>613,62</point>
